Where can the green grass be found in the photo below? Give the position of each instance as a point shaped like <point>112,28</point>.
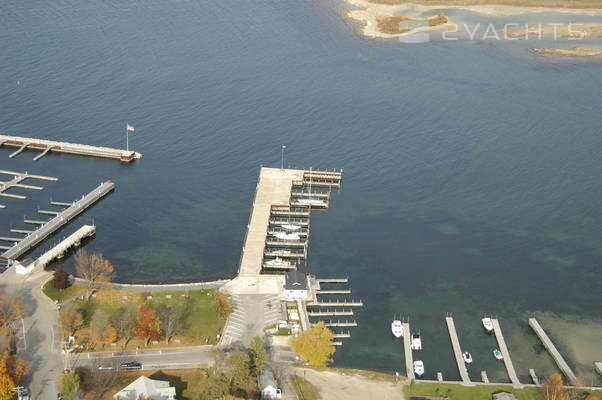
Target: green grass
<point>62,294</point>
<point>304,389</point>
<point>458,392</point>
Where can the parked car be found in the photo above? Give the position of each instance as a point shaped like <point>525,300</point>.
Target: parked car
<point>132,365</point>
<point>105,367</point>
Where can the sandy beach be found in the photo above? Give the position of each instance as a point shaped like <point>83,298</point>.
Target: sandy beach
<point>584,31</point>
<point>369,12</point>
<point>576,51</point>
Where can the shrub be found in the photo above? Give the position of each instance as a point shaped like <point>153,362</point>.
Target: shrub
<point>60,280</point>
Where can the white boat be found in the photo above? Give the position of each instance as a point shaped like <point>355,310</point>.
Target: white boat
<point>487,324</point>
<point>467,358</point>
<point>416,342</point>
<point>281,252</point>
<point>287,236</point>
<point>498,354</point>
<point>397,328</point>
<point>312,202</point>
<point>291,227</point>
<point>279,262</point>
<point>418,368</point>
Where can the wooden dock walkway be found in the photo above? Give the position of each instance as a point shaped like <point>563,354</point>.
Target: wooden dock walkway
<point>333,313</point>
<point>534,377</point>
<point>69,148</point>
<point>19,177</point>
<point>72,240</point>
<point>332,280</point>
<point>457,351</point>
<point>58,221</point>
<point>407,348</point>
<point>505,354</point>
<point>547,343</point>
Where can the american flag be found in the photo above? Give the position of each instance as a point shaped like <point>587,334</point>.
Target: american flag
<point>129,127</point>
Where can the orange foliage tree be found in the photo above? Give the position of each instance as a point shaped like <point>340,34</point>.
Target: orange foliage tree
<point>148,325</point>
<point>101,329</point>
<point>12,370</point>
<point>10,311</point>
<point>553,389</point>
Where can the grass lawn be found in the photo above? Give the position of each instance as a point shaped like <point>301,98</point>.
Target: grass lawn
<point>61,294</point>
<point>200,323</point>
<point>459,392</point>
<point>304,389</point>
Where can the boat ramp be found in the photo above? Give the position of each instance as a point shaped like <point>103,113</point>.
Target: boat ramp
<point>45,146</point>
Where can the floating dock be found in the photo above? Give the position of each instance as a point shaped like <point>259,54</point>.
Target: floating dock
<point>457,351</point>
<point>484,377</point>
<point>16,183</point>
<point>547,343</point>
<point>60,249</point>
<point>407,348</point>
<point>45,146</point>
<point>505,354</point>
<point>333,313</point>
<point>58,221</point>
<point>534,377</point>
<point>598,366</point>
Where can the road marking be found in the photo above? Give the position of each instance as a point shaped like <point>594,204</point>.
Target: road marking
<point>24,338</point>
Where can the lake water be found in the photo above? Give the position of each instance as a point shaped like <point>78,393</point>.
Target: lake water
<point>471,169</point>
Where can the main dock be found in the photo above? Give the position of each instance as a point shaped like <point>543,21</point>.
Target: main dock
<point>505,353</point>
<point>407,348</point>
<point>58,221</point>
<point>457,351</point>
<point>547,343</point>
<point>23,143</point>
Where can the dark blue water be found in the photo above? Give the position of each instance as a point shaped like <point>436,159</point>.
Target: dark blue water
<point>471,169</point>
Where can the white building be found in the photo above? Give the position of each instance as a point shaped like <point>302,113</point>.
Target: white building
<point>145,387</point>
<point>295,286</point>
<point>268,386</point>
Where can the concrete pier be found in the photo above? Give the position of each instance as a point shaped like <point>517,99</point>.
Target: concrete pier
<point>407,348</point>
<point>484,377</point>
<point>73,240</point>
<point>19,177</point>
<point>340,324</point>
<point>23,231</point>
<point>505,354</point>
<point>534,377</point>
<point>55,223</point>
<point>439,377</point>
<point>69,148</point>
<point>547,343</point>
<point>334,313</point>
<point>339,304</point>
<point>332,280</point>
<point>457,351</point>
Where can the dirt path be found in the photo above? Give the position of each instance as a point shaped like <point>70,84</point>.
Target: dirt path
<point>335,386</point>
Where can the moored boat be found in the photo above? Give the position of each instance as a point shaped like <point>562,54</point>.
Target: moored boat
<point>487,324</point>
<point>418,368</point>
<point>397,328</point>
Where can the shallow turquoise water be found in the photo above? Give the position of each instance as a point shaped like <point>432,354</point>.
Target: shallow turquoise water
<point>471,169</point>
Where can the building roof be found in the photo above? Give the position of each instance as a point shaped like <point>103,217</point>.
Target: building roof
<point>295,280</point>
<point>504,396</point>
<point>267,379</point>
<point>146,387</point>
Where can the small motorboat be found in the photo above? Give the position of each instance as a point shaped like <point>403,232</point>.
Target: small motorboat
<point>291,227</point>
<point>278,262</point>
<point>467,358</point>
<point>312,202</point>
<point>418,368</point>
<point>397,328</point>
<point>498,354</point>
<point>286,236</point>
<point>281,252</point>
<point>487,324</point>
<point>416,343</point>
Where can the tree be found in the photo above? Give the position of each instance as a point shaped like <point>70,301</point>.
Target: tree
<point>101,330</point>
<point>12,369</point>
<point>552,388</point>
<point>94,269</point>
<point>171,316</point>
<point>123,320</point>
<point>70,319</point>
<point>148,325</point>
<point>221,305</point>
<point>230,397</point>
<point>70,386</point>
<point>315,345</point>
<point>258,356</point>
<point>591,397</point>
<point>10,311</point>
<point>60,279</point>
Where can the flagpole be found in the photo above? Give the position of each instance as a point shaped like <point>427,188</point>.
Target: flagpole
<point>127,137</point>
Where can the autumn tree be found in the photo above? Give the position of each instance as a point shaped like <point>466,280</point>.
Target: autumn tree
<point>60,279</point>
<point>123,320</point>
<point>230,397</point>
<point>171,316</point>
<point>257,355</point>
<point>10,311</point>
<point>221,305</point>
<point>12,370</point>
<point>101,329</point>
<point>94,269</point>
<point>315,345</point>
<point>70,319</point>
<point>70,386</point>
<point>552,388</point>
<point>237,371</point>
<point>148,325</point>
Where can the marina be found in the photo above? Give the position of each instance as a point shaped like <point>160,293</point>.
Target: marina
<point>73,240</point>
<point>43,145</point>
<point>16,183</point>
<point>49,227</point>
